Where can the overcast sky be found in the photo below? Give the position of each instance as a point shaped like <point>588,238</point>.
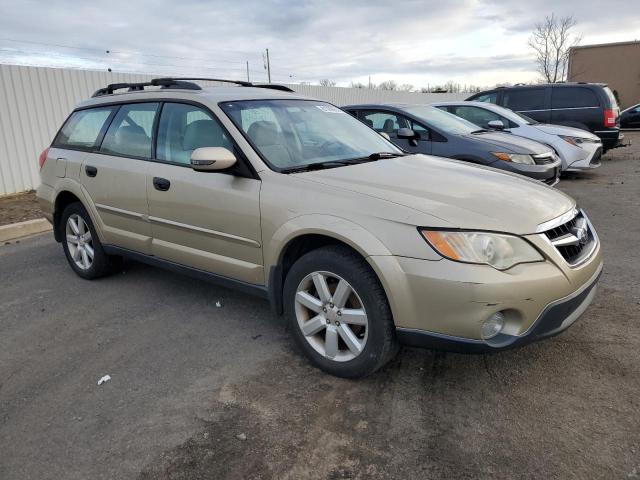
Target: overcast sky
<point>481,42</point>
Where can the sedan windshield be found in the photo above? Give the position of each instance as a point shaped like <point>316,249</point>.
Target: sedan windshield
<point>444,121</point>
<point>293,134</point>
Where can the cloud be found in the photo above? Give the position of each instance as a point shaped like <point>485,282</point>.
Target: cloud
<point>420,41</point>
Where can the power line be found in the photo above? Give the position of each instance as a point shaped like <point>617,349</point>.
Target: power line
<point>110,60</point>
<point>125,52</point>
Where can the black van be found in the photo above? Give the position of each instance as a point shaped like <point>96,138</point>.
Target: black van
<point>589,106</point>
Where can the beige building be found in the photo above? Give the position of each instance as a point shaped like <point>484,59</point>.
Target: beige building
<point>616,64</point>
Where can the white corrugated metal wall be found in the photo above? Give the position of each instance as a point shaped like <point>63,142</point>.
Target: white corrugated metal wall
<point>34,101</point>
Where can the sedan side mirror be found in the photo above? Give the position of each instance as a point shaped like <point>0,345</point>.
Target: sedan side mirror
<point>496,125</point>
<point>406,133</point>
<point>208,159</point>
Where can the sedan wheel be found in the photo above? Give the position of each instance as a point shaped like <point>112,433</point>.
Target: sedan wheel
<point>331,316</point>
<point>79,242</point>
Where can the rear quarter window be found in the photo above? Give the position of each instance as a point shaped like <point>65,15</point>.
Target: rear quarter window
<point>525,100</point>
<point>573,97</point>
<point>82,130</point>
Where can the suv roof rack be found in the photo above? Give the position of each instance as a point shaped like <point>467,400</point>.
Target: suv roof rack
<point>181,83</point>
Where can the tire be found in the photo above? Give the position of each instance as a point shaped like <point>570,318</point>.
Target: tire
<point>86,266</point>
<point>339,343</point>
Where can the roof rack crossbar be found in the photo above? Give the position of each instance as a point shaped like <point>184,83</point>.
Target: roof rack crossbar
<point>180,82</point>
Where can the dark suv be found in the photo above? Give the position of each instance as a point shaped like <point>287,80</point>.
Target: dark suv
<point>589,106</point>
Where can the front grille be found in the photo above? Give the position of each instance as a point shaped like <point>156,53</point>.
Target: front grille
<point>574,240</point>
<point>595,160</point>
<point>552,180</point>
<point>544,158</point>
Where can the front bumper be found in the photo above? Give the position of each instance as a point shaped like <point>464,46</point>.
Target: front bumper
<point>443,304</point>
<point>589,162</point>
<point>548,173</point>
<point>554,319</point>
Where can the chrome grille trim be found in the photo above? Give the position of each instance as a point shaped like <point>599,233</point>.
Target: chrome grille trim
<point>554,222</point>
<point>575,240</point>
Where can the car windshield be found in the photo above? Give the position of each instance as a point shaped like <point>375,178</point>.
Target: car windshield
<point>444,121</point>
<point>293,134</point>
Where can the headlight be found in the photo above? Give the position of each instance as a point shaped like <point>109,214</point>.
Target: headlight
<point>495,249</point>
<point>514,157</point>
<point>575,141</point>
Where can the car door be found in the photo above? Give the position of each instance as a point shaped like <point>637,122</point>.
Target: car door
<point>115,177</point>
<point>205,220</point>
<point>384,121</point>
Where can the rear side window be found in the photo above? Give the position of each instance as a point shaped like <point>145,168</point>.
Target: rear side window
<point>130,131</point>
<point>479,116</point>
<point>573,97</point>
<point>83,128</point>
<point>526,99</point>
<point>183,128</point>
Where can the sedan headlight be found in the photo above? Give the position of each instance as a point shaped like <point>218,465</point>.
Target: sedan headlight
<point>498,250</point>
<point>578,141</point>
<point>514,157</point>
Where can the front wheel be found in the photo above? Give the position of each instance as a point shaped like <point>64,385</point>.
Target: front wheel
<point>338,312</point>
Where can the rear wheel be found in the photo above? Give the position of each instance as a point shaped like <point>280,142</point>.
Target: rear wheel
<point>338,312</point>
<point>82,245</point>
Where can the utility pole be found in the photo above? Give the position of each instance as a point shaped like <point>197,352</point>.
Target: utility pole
<point>248,79</point>
<point>268,67</point>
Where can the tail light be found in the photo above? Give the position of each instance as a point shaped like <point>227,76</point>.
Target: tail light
<point>43,157</point>
<point>609,118</point>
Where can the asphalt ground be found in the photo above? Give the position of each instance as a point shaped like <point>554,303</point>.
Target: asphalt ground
<point>205,391</point>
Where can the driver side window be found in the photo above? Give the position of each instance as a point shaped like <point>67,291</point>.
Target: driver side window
<point>385,122</point>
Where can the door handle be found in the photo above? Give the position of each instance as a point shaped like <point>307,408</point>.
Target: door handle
<point>90,171</point>
<point>161,184</point>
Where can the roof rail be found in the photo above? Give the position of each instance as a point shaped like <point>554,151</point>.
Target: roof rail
<point>182,83</point>
<point>242,83</point>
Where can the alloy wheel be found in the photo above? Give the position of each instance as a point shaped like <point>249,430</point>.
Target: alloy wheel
<point>79,242</point>
<point>331,316</point>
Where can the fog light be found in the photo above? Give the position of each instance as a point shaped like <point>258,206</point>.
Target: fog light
<point>492,326</point>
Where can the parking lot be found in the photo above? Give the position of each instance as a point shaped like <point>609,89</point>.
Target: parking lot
<point>205,382</point>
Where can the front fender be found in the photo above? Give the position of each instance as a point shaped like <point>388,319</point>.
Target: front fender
<point>341,229</point>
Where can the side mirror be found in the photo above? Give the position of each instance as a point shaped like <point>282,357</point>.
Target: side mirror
<point>208,159</point>
<point>496,125</point>
<point>385,135</point>
<point>406,133</point>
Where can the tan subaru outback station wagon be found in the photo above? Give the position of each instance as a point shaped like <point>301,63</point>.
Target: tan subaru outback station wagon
<point>361,245</point>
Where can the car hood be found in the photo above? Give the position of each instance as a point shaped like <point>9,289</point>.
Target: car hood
<point>509,142</point>
<point>456,193</point>
<point>562,130</point>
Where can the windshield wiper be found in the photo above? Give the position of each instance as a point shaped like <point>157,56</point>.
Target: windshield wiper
<point>317,166</point>
<point>480,130</point>
<point>342,163</point>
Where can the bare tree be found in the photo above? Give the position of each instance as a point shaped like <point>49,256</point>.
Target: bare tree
<point>357,85</point>
<point>405,87</point>
<point>388,85</point>
<point>551,40</point>
<point>325,82</point>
